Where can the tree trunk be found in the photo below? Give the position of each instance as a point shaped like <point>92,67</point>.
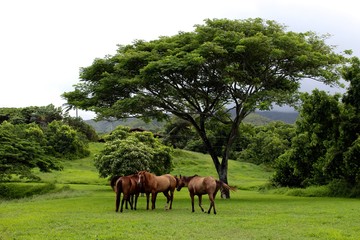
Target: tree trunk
<point>223,172</point>
<point>221,168</point>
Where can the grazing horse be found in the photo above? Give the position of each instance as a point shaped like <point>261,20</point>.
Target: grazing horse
<point>128,185</point>
<point>202,185</point>
<point>154,184</point>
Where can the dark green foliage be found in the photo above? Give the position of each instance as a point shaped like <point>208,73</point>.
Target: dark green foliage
<point>127,152</point>
<point>267,143</point>
<point>316,131</point>
<point>82,127</point>
<point>177,133</point>
<point>326,147</point>
<point>342,188</point>
<point>63,141</point>
<point>34,137</point>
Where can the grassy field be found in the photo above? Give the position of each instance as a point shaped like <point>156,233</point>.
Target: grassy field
<point>84,209</point>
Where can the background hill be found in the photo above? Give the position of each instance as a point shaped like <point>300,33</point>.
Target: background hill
<point>287,117</point>
<point>257,118</point>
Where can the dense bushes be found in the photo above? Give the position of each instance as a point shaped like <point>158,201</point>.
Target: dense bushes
<point>63,141</point>
<point>22,148</point>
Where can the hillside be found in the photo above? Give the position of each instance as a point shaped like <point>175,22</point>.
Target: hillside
<point>82,171</point>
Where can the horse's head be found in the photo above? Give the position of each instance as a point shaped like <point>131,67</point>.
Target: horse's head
<point>180,182</point>
<point>141,178</point>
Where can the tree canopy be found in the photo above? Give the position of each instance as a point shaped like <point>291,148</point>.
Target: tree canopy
<point>222,66</point>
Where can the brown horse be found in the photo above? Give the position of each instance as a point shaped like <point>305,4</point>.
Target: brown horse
<point>113,184</point>
<point>202,185</point>
<point>154,184</point>
<point>128,185</point>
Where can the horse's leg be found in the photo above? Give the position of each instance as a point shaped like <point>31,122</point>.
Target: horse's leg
<point>122,203</point>
<point>118,195</point>
<point>212,203</point>
<point>147,201</point>
<point>171,198</point>
<point>168,199</point>
<point>136,198</point>
<point>192,202</point>
<point>200,202</point>
<point>153,199</point>
<point>126,203</point>
<point>131,200</point>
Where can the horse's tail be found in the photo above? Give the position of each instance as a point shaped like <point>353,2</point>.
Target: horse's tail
<point>118,190</point>
<point>113,182</point>
<point>221,184</point>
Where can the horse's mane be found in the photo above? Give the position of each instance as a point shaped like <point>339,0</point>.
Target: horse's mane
<point>188,178</point>
<point>147,175</point>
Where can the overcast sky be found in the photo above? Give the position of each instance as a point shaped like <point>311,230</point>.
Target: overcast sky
<point>43,43</point>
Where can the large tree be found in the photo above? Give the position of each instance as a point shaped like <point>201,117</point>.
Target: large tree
<point>236,65</point>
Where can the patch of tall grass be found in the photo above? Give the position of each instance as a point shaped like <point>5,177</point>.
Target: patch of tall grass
<point>21,190</point>
<point>336,188</point>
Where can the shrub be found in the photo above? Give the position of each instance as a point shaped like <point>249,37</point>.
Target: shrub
<point>128,152</point>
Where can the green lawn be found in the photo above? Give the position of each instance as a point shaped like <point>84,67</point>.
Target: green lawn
<point>86,211</point>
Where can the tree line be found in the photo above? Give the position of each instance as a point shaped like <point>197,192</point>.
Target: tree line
<point>326,147</point>
<point>40,137</point>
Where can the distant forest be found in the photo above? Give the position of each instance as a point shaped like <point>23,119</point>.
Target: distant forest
<point>257,118</point>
